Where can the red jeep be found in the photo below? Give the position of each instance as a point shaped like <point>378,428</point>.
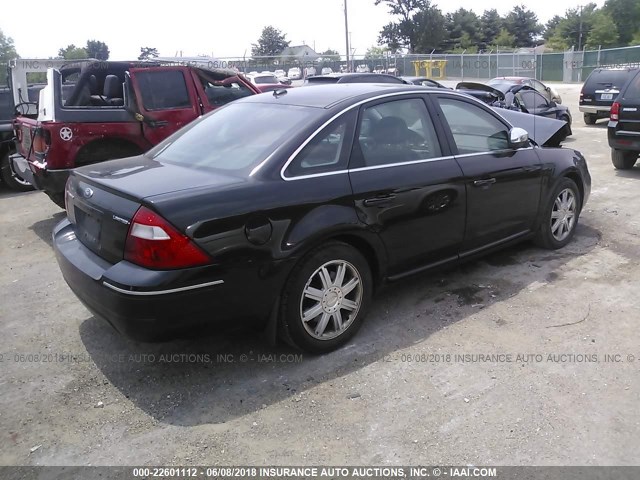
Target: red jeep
<point>105,110</point>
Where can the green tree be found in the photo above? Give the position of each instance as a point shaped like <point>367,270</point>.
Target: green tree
<point>270,44</point>
<point>636,38</point>
<point>626,15</point>
<point>603,31</point>
<point>71,52</point>
<point>418,26</point>
<point>505,39</point>
<point>147,52</point>
<point>97,49</point>
<point>464,28</point>
<point>375,53</point>
<point>574,27</point>
<point>330,55</point>
<point>523,25</point>
<point>490,25</point>
<point>551,26</point>
<point>7,52</point>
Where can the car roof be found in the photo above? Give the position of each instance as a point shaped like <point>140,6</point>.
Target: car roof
<point>327,96</point>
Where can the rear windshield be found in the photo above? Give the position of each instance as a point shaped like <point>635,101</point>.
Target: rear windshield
<point>608,78</point>
<point>235,138</point>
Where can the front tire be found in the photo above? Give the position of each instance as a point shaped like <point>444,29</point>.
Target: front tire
<point>590,118</point>
<point>326,298</point>
<point>11,179</point>
<point>560,216</point>
<point>622,159</point>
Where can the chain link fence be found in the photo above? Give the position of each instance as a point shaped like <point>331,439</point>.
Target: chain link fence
<point>570,66</point>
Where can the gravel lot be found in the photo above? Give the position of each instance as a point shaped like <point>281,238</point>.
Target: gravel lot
<point>401,393</point>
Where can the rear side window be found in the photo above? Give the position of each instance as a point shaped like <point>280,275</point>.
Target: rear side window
<point>163,90</point>
<point>633,90</point>
<point>327,152</point>
<point>474,129</point>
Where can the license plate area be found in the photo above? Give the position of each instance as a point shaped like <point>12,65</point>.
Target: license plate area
<point>606,96</point>
<point>88,229</point>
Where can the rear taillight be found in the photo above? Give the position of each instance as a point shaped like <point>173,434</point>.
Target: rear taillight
<point>581,95</point>
<point>614,114</point>
<point>41,141</point>
<point>154,243</point>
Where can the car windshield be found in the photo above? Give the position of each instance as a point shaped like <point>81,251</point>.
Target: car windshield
<point>235,138</point>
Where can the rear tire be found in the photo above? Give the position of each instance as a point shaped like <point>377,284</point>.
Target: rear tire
<point>11,179</point>
<point>590,118</point>
<point>560,216</point>
<point>623,159</point>
<point>326,298</point>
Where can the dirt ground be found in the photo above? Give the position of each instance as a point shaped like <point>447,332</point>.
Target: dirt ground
<point>562,387</point>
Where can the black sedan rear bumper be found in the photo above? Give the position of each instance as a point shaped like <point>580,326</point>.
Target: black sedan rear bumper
<point>150,306</point>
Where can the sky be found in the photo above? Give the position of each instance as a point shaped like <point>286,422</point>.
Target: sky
<point>218,28</point>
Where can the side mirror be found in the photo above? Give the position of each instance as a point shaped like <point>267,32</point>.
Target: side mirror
<point>552,104</point>
<point>518,138</point>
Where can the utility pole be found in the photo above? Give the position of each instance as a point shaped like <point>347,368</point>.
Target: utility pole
<point>346,33</point>
<point>579,31</point>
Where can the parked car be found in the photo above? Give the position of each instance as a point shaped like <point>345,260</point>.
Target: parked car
<point>600,90</point>
<point>518,97</point>
<point>379,69</point>
<point>263,79</point>
<point>294,73</point>
<point>326,71</point>
<point>353,78</point>
<point>93,124</point>
<point>296,222</point>
<point>272,87</point>
<point>362,68</point>
<point>550,93</point>
<point>282,77</point>
<point>623,130</point>
<point>309,71</point>
<point>425,82</point>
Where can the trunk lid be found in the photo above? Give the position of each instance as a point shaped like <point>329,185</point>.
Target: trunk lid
<point>102,199</point>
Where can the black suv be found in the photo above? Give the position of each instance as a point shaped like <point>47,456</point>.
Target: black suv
<point>624,125</point>
<point>600,90</point>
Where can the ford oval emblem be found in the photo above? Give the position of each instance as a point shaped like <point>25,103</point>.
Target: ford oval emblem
<point>88,192</point>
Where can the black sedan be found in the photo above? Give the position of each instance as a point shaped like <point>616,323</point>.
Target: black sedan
<point>296,222</point>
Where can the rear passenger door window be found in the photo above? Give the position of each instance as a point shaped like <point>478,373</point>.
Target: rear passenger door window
<point>394,132</point>
<point>474,130</point>
<point>327,152</point>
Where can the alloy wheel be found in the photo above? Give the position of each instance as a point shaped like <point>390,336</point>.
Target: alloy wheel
<point>331,299</point>
<point>563,214</point>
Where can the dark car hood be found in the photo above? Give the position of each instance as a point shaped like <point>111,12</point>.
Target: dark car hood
<point>141,177</point>
<point>547,132</point>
